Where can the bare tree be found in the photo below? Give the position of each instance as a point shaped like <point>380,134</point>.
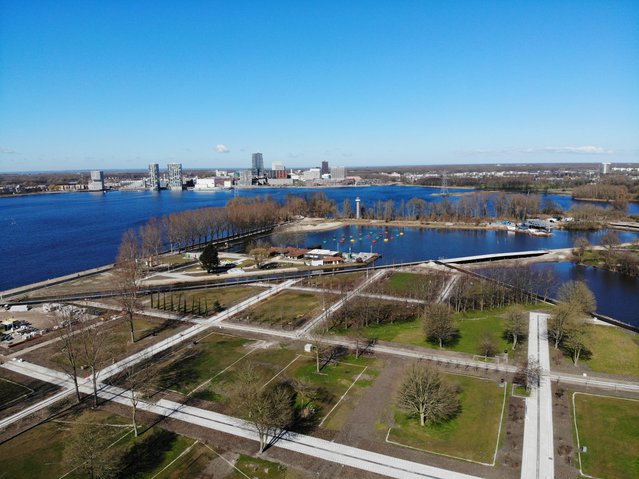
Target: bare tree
<point>94,353</point>
<point>89,450</point>
<point>270,410</point>
<point>560,322</point>
<point>259,255</point>
<point>136,379</point>
<point>68,324</point>
<point>516,324</point>
<point>578,295</point>
<point>424,394</point>
<point>575,342</point>
<point>581,246</point>
<point>320,348</point>
<point>610,241</point>
<point>488,344</point>
<point>127,274</point>
<point>439,324</point>
<point>528,374</point>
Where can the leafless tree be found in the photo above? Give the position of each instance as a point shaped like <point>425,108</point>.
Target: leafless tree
<point>516,324</point>
<point>578,295</point>
<point>562,317</point>
<point>576,341</point>
<point>488,344</point>
<point>68,323</point>
<point>127,275</point>
<point>425,395</point>
<point>439,324</point>
<point>259,255</point>
<point>136,379</point>
<point>88,450</point>
<point>528,374</point>
<point>94,353</point>
<point>581,246</point>
<point>270,410</point>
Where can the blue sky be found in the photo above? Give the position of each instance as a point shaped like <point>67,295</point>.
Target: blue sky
<point>119,84</point>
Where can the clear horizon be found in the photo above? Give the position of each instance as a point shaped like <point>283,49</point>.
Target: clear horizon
<point>93,85</point>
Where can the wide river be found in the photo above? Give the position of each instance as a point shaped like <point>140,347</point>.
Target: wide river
<point>44,236</point>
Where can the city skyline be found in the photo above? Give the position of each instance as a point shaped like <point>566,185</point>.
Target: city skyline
<point>103,86</point>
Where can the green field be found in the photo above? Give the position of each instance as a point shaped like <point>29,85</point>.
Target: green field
<point>409,285</point>
<point>202,361</point>
<point>471,327</point>
<point>288,308</point>
<point>39,452</point>
<point>609,428</point>
<point>613,350</point>
<point>472,435</point>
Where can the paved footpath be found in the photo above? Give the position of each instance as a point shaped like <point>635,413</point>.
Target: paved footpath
<point>319,448</point>
<point>538,461</point>
<point>140,356</point>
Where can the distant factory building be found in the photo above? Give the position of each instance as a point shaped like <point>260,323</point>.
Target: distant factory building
<point>97,181</point>
<point>154,176</point>
<point>175,176</point>
<point>257,164</point>
<point>338,173</point>
<point>605,168</point>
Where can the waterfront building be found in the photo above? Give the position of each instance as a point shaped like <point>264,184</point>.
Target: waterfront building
<point>312,174</point>
<point>97,181</point>
<point>246,178</point>
<point>325,168</point>
<point>154,176</point>
<point>257,164</point>
<point>338,173</point>
<point>175,176</point>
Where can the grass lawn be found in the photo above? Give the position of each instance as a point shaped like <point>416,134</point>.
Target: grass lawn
<point>196,363</point>
<point>39,452</point>
<point>334,380</point>
<point>472,435</point>
<point>288,308</point>
<point>196,301</point>
<point>256,468</point>
<point>410,285</point>
<point>614,350</point>
<point>10,391</point>
<point>609,428</point>
<point>471,327</point>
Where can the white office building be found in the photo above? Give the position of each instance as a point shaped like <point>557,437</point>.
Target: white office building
<point>154,176</point>
<point>175,176</point>
<point>338,173</point>
<point>97,181</point>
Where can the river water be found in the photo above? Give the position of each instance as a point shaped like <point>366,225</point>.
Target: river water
<point>44,236</point>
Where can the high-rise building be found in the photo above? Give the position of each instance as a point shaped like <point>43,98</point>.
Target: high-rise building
<point>257,164</point>
<point>175,176</point>
<point>605,168</point>
<point>325,169</point>
<point>338,173</point>
<point>97,181</point>
<point>154,176</point>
